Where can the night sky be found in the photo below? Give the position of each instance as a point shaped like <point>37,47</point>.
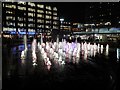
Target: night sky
<point>71,11</point>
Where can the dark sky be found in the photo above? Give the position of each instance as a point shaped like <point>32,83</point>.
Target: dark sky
<point>71,11</point>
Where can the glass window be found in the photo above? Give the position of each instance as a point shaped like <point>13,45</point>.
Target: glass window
<point>48,17</point>
<point>30,9</point>
<point>31,14</point>
<point>48,12</point>
<point>55,18</point>
<point>21,2</point>
<point>10,6</point>
<point>40,15</point>
<point>54,13</point>
<point>40,11</point>
<point>48,7</point>
<point>21,8</point>
<point>54,8</point>
<point>40,5</point>
<point>31,4</point>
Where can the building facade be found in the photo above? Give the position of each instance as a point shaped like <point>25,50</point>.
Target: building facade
<point>102,13</point>
<point>31,18</point>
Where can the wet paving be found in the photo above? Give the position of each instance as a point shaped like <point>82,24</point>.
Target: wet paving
<point>98,73</point>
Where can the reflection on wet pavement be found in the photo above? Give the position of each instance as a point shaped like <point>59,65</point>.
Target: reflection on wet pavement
<point>99,72</point>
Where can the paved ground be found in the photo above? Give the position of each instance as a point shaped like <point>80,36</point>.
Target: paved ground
<point>98,73</point>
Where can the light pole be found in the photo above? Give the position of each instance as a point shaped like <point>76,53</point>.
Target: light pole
<point>61,20</point>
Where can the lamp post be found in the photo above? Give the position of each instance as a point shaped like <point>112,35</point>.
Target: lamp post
<point>61,20</point>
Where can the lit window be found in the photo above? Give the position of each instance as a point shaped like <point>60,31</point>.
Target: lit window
<point>21,2</point>
<point>109,13</point>
<point>55,27</point>
<point>3,4</point>
<point>40,6</point>
<point>47,26</point>
<point>48,17</point>
<point>54,8</point>
<point>48,12</point>
<point>48,7</point>
<point>20,24</point>
<point>21,8</point>
<point>10,6</point>
<point>55,22</point>
<point>40,15</point>
<point>10,18</point>
<point>39,20</point>
<point>31,4</point>
<point>54,13</point>
<point>31,19</point>
<point>30,9</point>
<point>40,11</point>
<point>48,21</point>
<point>31,25</point>
<point>10,12</point>
<point>31,14</point>
<point>40,26</point>
<point>10,23</point>
<point>31,30</point>
<point>55,18</point>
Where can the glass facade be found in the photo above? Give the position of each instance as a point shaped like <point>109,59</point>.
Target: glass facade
<point>29,17</point>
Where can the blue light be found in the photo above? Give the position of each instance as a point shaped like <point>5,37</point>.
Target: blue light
<point>12,32</point>
<point>22,32</point>
<point>31,32</point>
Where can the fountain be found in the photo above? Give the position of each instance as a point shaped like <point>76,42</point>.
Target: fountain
<point>25,42</point>
<point>107,49</point>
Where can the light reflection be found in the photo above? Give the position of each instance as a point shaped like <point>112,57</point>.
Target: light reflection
<point>118,54</point>
<point>65,52</point>
<point>107,50</point>
<point>101,49</point>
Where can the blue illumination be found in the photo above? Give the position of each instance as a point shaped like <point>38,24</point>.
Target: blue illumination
<point>31,32</point>
<point>12,32</point>
<point>22,32</point>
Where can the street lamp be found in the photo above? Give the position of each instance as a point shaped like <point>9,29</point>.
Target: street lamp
<point>61,20</point>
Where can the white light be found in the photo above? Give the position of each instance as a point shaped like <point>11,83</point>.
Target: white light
<point>61,19</point>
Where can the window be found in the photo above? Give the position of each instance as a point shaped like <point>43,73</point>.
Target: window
<point>48,21</point>
<point>31,19</point>
<point>40,26</point>
<point>40,11</point>
<point>21,2</point>
<point>31,14</point>
<point>31,30</point>
<point>40,15</point>
<point>10,24</point>
<point>3,4</point>
<point>54,13</point>
<point>54,22</point>
<point>47,26</point>
<point>40,6</point>
<point>10,6</point>
<point>48,7</point>
<point>54,8</point>
<point>20,24</point>
<point>9,29</point>
<point>21,8</point>
<point>55,18</point>
<point>48,17</point>
<point>10,12</point>
<point>31,4</point>
<point>10,18</point>
<point>48,12</point>
<point>39,20</point>
<point>55,27</point>
<point>30,9</point>
<point>31,25</point>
